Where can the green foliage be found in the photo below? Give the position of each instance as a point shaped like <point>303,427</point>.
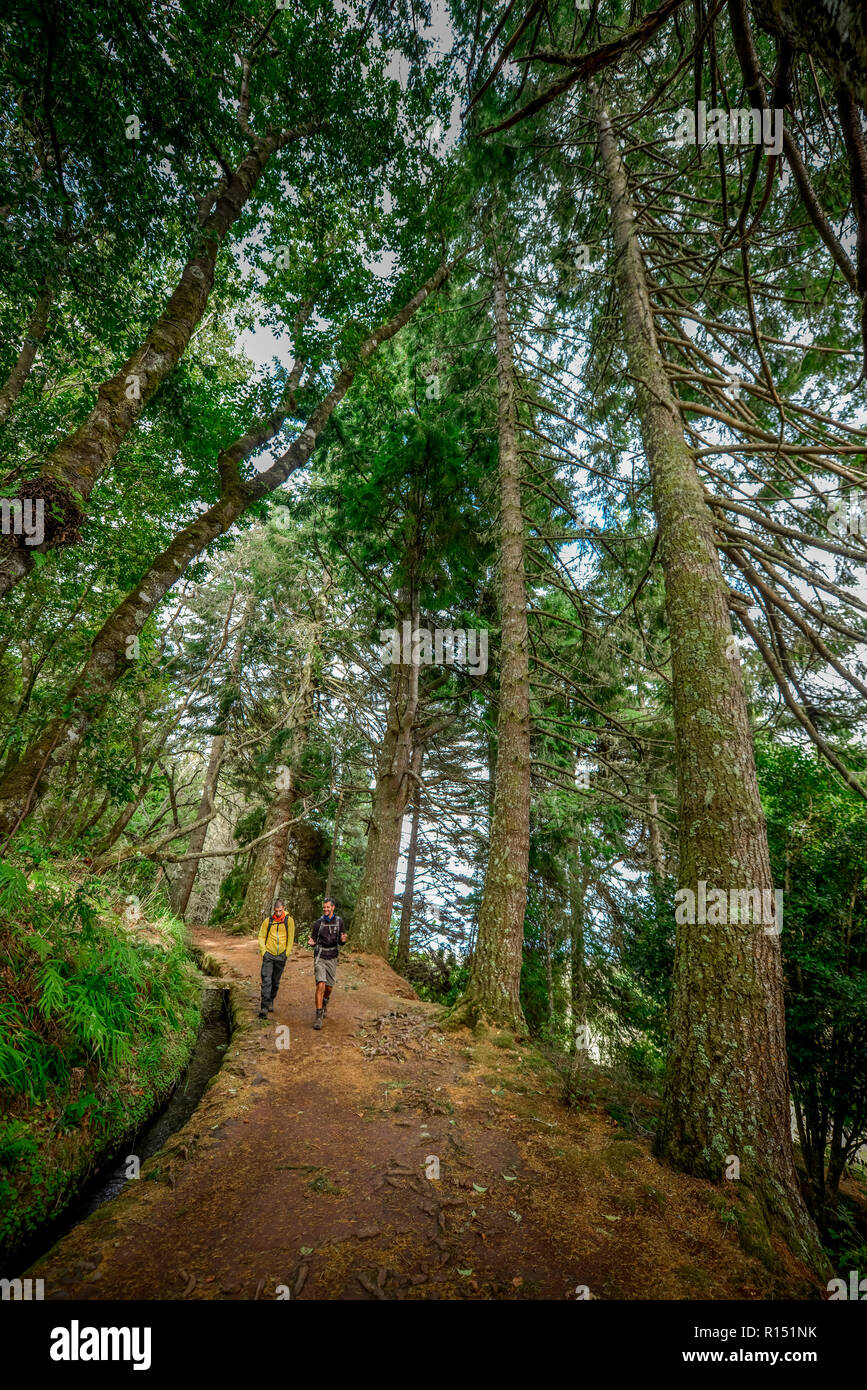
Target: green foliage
<point>438,976</point>
<point>231,896</point>
<point>817,831</point>
<point>647,959</point>
<point>96,1023</point>
<point>87,992</point>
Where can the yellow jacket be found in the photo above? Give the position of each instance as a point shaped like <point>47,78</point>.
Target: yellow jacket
<point>277,937</point>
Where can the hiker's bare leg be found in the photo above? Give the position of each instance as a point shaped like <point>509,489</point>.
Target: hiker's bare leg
<point>320,994</point>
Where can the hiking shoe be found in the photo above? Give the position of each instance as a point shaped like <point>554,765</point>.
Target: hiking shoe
<point>270,1008</point>
<point>319,1014</point>
<point>325,1009</point>
<point>263,1014</point>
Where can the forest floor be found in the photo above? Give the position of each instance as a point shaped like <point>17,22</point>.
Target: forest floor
<point>306,1167</point>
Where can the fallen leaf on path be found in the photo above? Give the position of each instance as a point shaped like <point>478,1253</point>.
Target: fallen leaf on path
<point>476,1188</point>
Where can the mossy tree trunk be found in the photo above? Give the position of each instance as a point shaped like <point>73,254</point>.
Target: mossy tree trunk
<point>270,861</point>
<point>395,782</point>
<point>494,988</point>
<point>332,856</point>
<point>577,893</point>
<point>270,858</point>
<point>657,851</point>
<point>403,940</point>
<point>185,882</point>
<point>23,364</point>
<point>726,1087</point>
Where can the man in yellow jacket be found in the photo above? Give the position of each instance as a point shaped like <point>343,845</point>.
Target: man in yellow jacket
<point>276,939</point>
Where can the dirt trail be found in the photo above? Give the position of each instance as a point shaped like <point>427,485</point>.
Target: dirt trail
<point>304,1172</point>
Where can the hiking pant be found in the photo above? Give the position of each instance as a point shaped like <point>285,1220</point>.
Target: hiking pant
<point>325,971</point>
<point>272,969</point>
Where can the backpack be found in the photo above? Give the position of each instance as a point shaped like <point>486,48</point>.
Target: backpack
<point>271,920</point>
<point>335,930</point>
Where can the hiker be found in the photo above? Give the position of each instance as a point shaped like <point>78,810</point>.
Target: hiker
<point>327,936</point>
<point>276,939</point>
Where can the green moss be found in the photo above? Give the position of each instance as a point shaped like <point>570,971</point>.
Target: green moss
<point>754,1232</point>
<point>619,1157</point>
<point>323,1184</point>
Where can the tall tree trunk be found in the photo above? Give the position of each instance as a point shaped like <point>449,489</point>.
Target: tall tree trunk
<point>185,882</point>
<point>371,921</point>
<point>305,896</point>
<point>657,854</point>
<point>271,856</point>
<point>36,328</point>
<point>183,885</point>
<point>23,788</point>
<point>577,892</point>
<point>403,940</point>
<point>74,466</point>
<point>269,863</point>
<point>494,986</point>
<point>89,822</point>
<point>332,855</point>
<point>549,963</point>
<point>726,1086</point>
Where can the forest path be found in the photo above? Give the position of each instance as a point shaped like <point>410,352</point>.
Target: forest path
<point>305,1167</point>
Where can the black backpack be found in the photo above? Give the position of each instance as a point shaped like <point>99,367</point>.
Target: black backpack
<point>334,930</point>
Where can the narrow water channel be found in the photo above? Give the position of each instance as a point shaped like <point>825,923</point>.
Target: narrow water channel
<point>206,1058</point>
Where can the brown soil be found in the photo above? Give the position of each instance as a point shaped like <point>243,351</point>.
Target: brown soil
<point>305,1172</point>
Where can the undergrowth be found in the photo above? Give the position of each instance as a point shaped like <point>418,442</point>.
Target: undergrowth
<point>97,1019</point>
